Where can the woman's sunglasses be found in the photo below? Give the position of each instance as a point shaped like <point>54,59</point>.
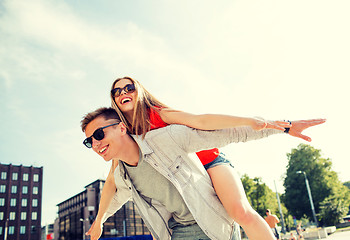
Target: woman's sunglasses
<point>98,135</point>
<point>129,88</point>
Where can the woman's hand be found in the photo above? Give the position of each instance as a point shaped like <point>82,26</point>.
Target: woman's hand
<point>95,230</point>
<point>299,126</point>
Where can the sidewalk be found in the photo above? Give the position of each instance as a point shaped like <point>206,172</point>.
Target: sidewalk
<point>338,235</point>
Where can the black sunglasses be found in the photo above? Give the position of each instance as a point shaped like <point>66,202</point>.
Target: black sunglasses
<point>98,135</point>
<point>129,88</point>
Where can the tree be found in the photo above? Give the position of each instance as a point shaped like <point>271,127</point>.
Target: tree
<point>259,195</point>
<point>324,184</point>
<point>347,184</point>
<point>332,210</point>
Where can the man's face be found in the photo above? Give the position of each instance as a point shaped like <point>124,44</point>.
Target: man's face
<point>109,146</point>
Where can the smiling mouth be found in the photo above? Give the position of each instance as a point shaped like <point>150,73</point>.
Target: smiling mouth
<point>103,150</point>
<point>126,100</point>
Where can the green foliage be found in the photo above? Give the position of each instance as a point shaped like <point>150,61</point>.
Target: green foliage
<point>332,210</point>
<point>324,184</point>
<point>347,184</point>
<point>259,195</point>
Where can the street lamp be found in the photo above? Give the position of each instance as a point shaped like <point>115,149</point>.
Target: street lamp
<point>310,196</point>
<point>82,220</point>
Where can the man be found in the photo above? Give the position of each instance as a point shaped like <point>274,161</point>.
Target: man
<point>272,221</point>
<point>172,191</point>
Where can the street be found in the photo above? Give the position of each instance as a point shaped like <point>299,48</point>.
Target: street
<point>339,236</point>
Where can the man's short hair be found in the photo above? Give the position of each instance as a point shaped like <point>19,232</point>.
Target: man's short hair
<point>106,113</point>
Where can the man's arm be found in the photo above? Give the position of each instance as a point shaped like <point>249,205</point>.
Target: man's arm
<point>193,140</point>
<point>108,192</point>
<point>277,219</point>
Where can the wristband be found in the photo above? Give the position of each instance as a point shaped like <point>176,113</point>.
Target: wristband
<point>286,130</point>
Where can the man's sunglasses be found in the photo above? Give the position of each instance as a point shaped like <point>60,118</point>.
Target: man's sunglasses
<point>98,135</point>
<point>129,88</point>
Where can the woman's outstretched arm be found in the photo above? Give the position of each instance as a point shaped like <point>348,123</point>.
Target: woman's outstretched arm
<point>217,121</point>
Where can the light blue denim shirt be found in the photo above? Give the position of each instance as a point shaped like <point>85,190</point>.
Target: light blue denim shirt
<point>169,150</point>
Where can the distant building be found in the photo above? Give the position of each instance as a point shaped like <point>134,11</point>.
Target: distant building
<point>20,202</point>
<point>76,214</point>
<point>47,232</point>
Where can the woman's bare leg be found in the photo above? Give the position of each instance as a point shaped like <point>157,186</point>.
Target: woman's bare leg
<point>229,188</point>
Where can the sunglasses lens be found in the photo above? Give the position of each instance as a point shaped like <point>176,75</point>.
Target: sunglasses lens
<point>88,142</point>
<point>99,134</point>
<point>116,92</point>
<point>130,88</point>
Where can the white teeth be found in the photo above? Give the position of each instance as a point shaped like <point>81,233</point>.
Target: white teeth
<point>126,100</point>
<point>103,149</point>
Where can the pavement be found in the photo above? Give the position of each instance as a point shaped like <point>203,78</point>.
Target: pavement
<point>338,235</point>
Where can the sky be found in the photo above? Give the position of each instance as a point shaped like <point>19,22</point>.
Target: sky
<point>272,59</point>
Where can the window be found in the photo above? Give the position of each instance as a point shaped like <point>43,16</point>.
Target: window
<point>14,176</point>
<point>3,175</point>
<point>0,230</point>
<point>22,230</point>
<point>1,216</point>
<point>34,215</point>
<point>24,202</point>
<point>25,177</point>
<point>24,189</point>
<point>35,190</point>
<point>2,188</point>
<point>14,189</point>
<point>23,216</point>
<point>36,177</point>
<point>12,215</point>
<point>13,202</point>
<point>11,230</point>
<point>2,201</point>
<point>35,203</point>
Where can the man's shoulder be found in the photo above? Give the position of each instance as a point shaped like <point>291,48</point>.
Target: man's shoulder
<point>172,134</point>
<point>172,129</point>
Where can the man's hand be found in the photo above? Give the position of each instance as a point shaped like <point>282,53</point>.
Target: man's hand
<point>299,126</point>
<point>95,231</point>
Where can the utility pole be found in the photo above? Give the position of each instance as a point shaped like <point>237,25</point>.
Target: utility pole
<point>310,196</point>
<point>280,209</point>
<point>83,221</point>
<point>6,229</point>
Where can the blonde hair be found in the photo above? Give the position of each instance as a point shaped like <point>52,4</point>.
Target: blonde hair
<point>143,103</point>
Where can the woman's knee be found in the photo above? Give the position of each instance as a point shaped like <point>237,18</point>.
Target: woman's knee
<point>242,214</point>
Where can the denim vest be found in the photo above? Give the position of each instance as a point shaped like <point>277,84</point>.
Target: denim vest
<point>169,150</point>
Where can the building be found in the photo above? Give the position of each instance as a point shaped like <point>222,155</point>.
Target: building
<point>47,232</point>
<point>76,214</point>
<point>20,202</point>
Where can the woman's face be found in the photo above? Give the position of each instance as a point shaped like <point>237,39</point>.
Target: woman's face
<point>126,100</point>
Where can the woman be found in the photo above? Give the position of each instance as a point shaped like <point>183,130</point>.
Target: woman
<point>141,112</point>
